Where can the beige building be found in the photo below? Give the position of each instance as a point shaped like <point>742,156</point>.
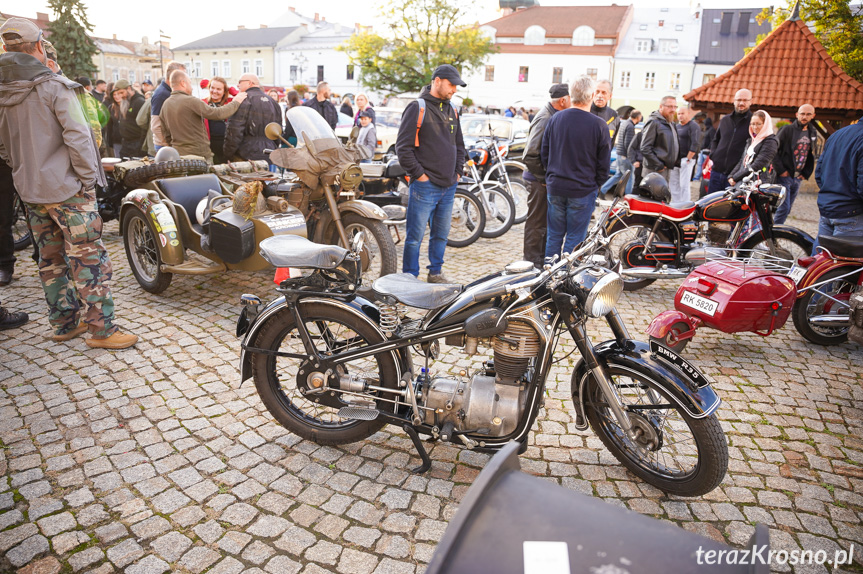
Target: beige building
<point>133,61</point>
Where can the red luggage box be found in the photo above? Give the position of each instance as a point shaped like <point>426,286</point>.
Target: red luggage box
<point>733,297</point>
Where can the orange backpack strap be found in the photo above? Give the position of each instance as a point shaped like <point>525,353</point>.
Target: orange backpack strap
<point>420,115</point>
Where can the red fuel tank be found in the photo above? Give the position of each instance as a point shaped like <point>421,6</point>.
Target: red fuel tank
<point>732,296</point>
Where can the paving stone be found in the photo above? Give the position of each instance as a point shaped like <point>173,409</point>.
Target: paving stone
<point>268,526</point>
<point>171,546</point>
<point>257,552</point>
<point>239,514</point>
<point>63,543</point>
<point>111,532</point>
<point>282,565</point>
<point>10,538</point>
<point>27,550</point>
<point>153,526</point>
<point>360,536</point>
<point>227,566</point>
<point>394,546</point>
<point>199,559</point>
<point>188,516</point>
<point>356,562</point>
<point>85,558</point>
<point>430,530</point>
<point>209,531</point>
<point>169,501</point>
<point>47,565</point>
<point>57,523</point>
<point>125,553</point>
<point>390,566</point>
<point>234,542</point>
<point>43,507</point>
<point>91,515</point>
<point>79,497</point>
<point>295,540</point>
<point>332,526</point>
<point>149,565</point>
<point>324,552</point>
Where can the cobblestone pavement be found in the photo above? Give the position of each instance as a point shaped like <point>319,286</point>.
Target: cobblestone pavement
<point>155,458</point>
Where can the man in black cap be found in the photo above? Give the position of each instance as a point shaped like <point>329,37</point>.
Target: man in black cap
<point>537,202</point>
<point>430,148</point>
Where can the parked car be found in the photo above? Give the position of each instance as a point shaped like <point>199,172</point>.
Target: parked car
<point>387,121</point>
<point>510,131</point>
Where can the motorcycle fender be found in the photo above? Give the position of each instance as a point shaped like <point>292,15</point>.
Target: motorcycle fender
<point>363,208</point>
<point>819,268</point>
<point>507,164</point>
<point>358,305</point>
<point>683,382</point>
<point>787,228</point>
<point>168,239</point>
<point>662,323</point>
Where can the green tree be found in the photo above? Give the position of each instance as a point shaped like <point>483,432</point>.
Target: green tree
<point>422,35</point>
<point>70,36</point>
<point>838,26</point>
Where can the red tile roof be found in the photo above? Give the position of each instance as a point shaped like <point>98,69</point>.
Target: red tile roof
<point>561,21</point>
<point>789,68</point>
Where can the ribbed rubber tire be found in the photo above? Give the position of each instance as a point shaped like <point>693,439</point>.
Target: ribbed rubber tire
<point>145,174</point>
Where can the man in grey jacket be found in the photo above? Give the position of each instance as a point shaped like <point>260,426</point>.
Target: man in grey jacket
<point>659,143</point>
<point>537,201</point>
<point>41,111</point>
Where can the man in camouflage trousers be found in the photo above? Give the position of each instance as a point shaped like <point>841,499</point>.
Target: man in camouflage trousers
<point>46,138</point>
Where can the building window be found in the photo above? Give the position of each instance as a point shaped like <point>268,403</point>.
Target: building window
<point>148,77</point>
<point>534,36</point>
<point>707,78</point>
<point>489,73</point>
<point>674,81</point>
<point>583,36</point>
<point>625,79</point>
<point>320,74</point>
<point>668,46</point>
<point>523,73</point>
<point>350,73</point>
<point>188,65</point>
<point>226,69</point>
<point>115,75</point>
<point>649,80</point>
<point>214,68</point>
<point>714,43</point>
<point>246,66</point>
<point>556,75</point>
<point>132,77</point>
<point>293,74</point>
<point>643,45</point>
<point>592,73</point>
<point>197,70</point>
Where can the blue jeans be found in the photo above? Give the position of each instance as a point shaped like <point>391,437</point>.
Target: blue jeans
<point>428,204</point>
<point>699,166</point>
<point>792,186</point>
<point>718,182</point>
<point>623,164</point>
<point>570,217</point>
<point>839,227</point>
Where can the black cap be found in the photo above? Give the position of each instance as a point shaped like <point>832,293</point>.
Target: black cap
<point>448,72</point>
<point>558,91</point>
<point>365,114</point>
<point>148,82</point>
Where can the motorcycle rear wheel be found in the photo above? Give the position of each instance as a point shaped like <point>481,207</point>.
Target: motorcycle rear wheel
<point>789,247</point>
<point>331,329</point>
<point>821,301</point>
<point>379,250</point>
<point>518,191</point>
<point>468,219</point>
<point>620,238</point>
<point>675,452</point>
<point>142,251</point>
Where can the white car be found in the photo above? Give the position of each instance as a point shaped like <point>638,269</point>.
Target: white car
<point>387,122</point>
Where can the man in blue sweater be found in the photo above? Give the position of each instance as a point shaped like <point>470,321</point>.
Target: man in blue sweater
<point>840,179</point>
<point>575,152</point>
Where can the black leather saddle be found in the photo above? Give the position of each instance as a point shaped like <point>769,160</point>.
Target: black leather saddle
<point>189,191</point>
<point>410,291</point>
<point>299,252</point>
<point>843,246</point>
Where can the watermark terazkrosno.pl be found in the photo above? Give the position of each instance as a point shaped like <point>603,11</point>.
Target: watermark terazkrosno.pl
<point>763,555</point>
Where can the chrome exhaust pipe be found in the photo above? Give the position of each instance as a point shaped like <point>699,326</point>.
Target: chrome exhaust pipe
<point>831,320</point>
<point>654,273</point>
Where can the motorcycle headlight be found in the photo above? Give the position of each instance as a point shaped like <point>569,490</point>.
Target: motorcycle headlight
<point>597,289</point>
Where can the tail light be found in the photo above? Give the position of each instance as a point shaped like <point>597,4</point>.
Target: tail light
<point>805,261</point>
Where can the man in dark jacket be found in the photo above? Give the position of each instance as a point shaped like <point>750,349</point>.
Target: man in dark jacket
<point>840,178</point>
<point>659,143</point>
<point>431,150</point>
<point>689,138</point>
<point>576,151</point>
<point>729,143</point>
<point>795,159</point>
<point>321,103</point>
<point>600,108</point>
<point>245,137</point>
<point>131,133</point>
<point>534,177</point>
<point>625,135</point>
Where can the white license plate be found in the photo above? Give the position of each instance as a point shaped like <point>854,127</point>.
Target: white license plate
<point>797,273</point>
<point>699,303</point>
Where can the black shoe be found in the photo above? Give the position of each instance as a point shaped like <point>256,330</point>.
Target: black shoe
<point>10,320</point>
<point>5,277</point>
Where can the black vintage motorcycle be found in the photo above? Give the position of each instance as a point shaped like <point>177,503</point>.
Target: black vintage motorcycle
<point>331,360</point>
<point>653,239</point>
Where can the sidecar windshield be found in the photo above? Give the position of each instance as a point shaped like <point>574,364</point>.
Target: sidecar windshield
<point>308,121</point>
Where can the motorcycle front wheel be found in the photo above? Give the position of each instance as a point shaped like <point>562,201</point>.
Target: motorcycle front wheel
<point>673,451</point>
<point>379,256</point>
<point>142,251</point>
<point>499,209</point>
<point>468,219</point>
<point>20,228</point>
<point>332,330</point>
<point>518,191</point>
<point>829,301</point>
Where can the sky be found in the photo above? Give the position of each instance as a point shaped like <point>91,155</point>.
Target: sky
<point>187,21</point>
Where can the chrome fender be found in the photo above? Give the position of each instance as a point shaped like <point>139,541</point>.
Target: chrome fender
<point>506,164</point>
<point>662,323</point>
<point>687,387</point>
<point>169,242</point>
<point>364,208</point>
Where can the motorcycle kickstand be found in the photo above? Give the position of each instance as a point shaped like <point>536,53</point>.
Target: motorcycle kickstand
<point>426,465</point>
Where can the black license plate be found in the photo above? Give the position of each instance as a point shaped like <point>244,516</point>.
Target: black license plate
<point>680,362</point>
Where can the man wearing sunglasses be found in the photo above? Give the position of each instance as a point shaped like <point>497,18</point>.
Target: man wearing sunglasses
<point>40,110</point>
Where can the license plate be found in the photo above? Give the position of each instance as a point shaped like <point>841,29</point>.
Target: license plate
<point>797,273</point>
<point>699,303</point>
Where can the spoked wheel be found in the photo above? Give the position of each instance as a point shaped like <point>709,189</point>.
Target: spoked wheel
<point>672,451</point>
<point>468,219</point>
<point>20,228</point>
<point>626,246</point>
<point>142,251</point>
<point>379,251</point>
<point>788,247</point>
<point>499,209</point>
<point>518,191</point>
<point>822,314</point>
<point>284,390</point>
<point>671,339</point>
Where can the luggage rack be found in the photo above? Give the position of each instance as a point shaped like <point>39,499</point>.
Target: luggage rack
<point>757,258</point>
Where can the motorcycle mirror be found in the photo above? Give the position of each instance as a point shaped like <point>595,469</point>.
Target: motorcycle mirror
<point>355,133</point>
<point>273,131</point>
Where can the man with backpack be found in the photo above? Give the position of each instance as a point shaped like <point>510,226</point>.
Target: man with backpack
<point>430,148</point>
